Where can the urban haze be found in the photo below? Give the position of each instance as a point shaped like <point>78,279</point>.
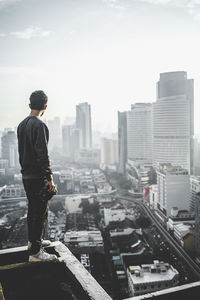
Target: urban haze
<point>122,79</point>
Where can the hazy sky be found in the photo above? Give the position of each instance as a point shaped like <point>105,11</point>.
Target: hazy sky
<point>105,52</point>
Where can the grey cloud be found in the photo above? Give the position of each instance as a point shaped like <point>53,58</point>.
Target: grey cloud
<point>180,3</point>
<point>192,7</point>
<point>5,3</point>
<point>31,32</point>
<point>117,4</point>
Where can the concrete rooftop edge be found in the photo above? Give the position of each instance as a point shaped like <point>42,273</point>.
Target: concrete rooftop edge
<point>91,287</point>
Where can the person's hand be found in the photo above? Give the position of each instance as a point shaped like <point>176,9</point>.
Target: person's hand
<point>52,188</point>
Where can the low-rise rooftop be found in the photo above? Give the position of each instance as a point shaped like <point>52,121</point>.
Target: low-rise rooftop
<point>158,271</point>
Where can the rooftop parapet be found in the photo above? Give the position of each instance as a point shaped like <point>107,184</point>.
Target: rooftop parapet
<point>65,279</point>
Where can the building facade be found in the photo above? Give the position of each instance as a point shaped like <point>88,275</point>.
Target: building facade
<point>67,140</point>
<point>4,164</point>
<point>197,156</point>
<point>153,196</point>
<point>194,188</point>
<point>14,191</point>
<point>84,123</point>
<point>122,141</point>
<point>180,217</point>
<point>9,149</point>
<point>115,214</point>
<point>173,188</point>
<point>197,225</point>
<point>70,141</point>
<point>173,120</point>
<point>109,151</point>
<point>55,139</point>
<point>140,173</point>
<point>88,240</point>
<point>90,157</point>
<point>139,132</point>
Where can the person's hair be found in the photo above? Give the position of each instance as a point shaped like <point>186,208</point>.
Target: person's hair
<point>38,99</point>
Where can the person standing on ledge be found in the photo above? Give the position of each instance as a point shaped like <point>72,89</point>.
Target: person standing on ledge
<point>33,136</point>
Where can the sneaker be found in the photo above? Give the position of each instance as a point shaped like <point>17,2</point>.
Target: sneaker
<point>42,255</point>
<point>45,243</point>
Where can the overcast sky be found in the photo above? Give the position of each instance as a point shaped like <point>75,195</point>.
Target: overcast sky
<point>108,53</point>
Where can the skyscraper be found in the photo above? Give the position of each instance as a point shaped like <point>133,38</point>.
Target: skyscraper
<point>84,123</point>
<point>197,156</point>
<point>54,134</point>
<point>173,120</point>
<point>76,139</point>
<point>109,151</point>
<point>139,132</point>
<point>1,133</point>
<point>122,141</point>
<point>9,148</point>
<point>197,224</point>
<point>70,141</point>
<point>67,140</point>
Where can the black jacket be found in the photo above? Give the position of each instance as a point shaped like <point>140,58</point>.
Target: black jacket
<point>33,137</point>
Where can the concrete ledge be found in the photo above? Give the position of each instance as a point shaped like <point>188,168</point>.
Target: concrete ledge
<point>15,259</point>
<point>12,250</point>
<point>1,293</point>
<point>88,283</point>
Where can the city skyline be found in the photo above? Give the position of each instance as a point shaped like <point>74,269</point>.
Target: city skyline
<point>108,53</point>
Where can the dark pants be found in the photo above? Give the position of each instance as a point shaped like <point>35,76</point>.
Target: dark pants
<point>37,212</point>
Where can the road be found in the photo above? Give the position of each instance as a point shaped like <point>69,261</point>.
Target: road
<point>173,243</point>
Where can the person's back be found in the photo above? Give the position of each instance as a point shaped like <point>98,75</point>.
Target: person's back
<point>33,136</point>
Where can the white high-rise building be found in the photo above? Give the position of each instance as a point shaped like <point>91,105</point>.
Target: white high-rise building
<point>9,149</point>
<point>194,188</point>
<point>122,141</point>
<point>84,123</point>
<point>173,120</point>
<point>76,133</point>
<point>109,151</point>
<point>173,188</point>
<point>197,156</point>
<point>70,141</point>
<point>197,224</point>
<point>139,132</point>
<point>153,196</point>
<point>1,133</point>
<point>55,134</point>
<point>67,140</point>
